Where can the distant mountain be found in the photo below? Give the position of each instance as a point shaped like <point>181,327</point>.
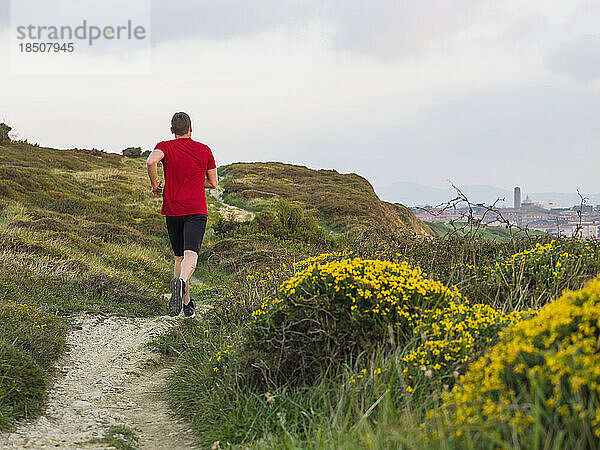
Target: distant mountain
<point>413,194</point>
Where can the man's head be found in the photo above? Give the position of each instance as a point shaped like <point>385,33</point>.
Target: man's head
<point>181,124</point>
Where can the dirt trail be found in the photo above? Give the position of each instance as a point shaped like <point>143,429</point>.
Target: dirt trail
<point>230,212</point>
<point>108,377</point>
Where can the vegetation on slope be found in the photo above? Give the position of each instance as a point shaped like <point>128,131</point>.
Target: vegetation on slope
<point>83,228</point>
<point>339,201</point>
<point>79,231</point>
<point>339,352</point>
<point>540,385</point>
<point>314,340</point>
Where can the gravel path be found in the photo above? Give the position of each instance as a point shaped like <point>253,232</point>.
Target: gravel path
<point>230,212</point>
<point>107,378</point>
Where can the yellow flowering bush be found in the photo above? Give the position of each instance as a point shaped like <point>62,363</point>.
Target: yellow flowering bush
<point>237,300</point>
<point>331,312</point>
<point>529,277</point>
<point>543,377</point>
<point>448,338</point>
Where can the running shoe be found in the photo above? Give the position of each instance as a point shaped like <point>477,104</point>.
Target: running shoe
<point>189,310</point>
<point>176,301</point>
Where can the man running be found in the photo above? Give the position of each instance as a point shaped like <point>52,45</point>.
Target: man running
<point>189,168</point>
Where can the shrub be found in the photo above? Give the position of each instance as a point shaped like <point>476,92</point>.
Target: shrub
<point>451,259</point>
<point>532,276</point>
<point>236,301</point>
<point>330,313</point>
<point>542,381</point>
<point>4,130</point>
<point>309,358</point>
<point>132,152</point>
<point>447,339</point>
<point>286,222</point>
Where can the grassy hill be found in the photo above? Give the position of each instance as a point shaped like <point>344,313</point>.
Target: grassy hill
<point>338,201</point>
<point>79,231</point>
<point>83,221</point>
<point>314,339</point>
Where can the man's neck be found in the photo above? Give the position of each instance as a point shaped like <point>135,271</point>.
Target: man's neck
<point>184,136</point>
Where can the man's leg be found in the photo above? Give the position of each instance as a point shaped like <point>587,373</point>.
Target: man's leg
<point>175,229</point>
<point>177,268</point>
<point>188,265</point>
<point>193,233</point>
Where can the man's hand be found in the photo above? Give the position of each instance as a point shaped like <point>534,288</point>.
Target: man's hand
<point>152,165</point>
<point>211,181</point>
<point>157,188</point>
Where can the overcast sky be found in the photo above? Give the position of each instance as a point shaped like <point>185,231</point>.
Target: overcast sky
<point>422,91</point>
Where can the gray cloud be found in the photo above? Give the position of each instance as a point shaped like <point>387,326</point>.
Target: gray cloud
<point>384,28</point>
<point>224,18</point>
<point>392,28</point>
<point>500,120</point>
<point>579,58</point>
<point>544,137</point>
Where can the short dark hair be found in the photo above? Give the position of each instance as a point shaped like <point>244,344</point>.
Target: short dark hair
<point>181,123</point>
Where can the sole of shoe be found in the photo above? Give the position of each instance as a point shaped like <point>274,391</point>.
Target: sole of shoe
<point>176,300</point>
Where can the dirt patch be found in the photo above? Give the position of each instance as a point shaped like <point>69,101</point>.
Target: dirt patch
<point>108,377</point>
<point>230,212</point>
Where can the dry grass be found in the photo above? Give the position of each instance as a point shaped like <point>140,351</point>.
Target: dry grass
<point>339,201</point>
<point>79,230</point>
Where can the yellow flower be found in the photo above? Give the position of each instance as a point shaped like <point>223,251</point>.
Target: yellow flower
<point>556,348</point>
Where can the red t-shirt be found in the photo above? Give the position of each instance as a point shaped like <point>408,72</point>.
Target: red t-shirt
<point>185,162</point>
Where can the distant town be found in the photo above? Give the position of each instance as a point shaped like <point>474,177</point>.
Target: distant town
<point>581,220</point>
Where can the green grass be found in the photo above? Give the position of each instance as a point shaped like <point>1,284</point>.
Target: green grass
<point>30,341</point>
<point>79,231</point>
<point>327,413</point>
<point>339,201</point>
<point>119,437</point>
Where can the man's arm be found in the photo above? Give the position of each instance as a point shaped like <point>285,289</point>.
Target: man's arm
<point>152,166</point>
<point>211,181</point>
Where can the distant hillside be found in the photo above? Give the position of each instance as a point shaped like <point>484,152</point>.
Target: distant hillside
<point>413,194</point>
<point>490,233</point>
<point>339,201</point>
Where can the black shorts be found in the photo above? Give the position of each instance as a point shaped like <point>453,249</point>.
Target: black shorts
<point>186,232</point>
